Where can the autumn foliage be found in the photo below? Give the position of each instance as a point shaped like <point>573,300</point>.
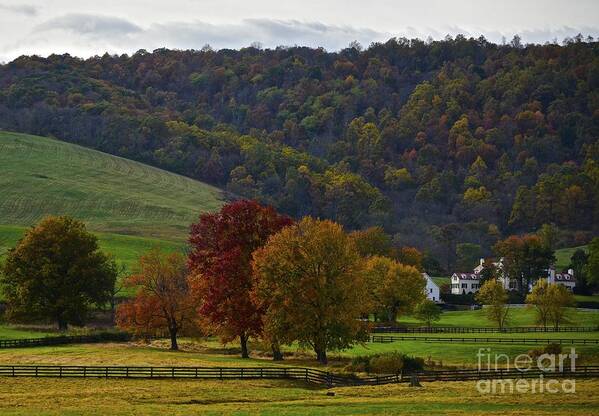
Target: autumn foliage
<point>163,302</point>
<point>56,272</point>
<point>222,246</point>
<point>309,277</point>
<point>392,287</point>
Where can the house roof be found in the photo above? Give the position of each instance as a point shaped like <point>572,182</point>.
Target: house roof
<point>467,276</point>
<point>429,280</point>
<point>564,277</point>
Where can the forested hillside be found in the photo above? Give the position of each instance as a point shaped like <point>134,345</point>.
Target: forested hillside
<point>449,144</point>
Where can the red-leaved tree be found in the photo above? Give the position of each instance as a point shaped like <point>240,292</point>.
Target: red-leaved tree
<point>222,245</point>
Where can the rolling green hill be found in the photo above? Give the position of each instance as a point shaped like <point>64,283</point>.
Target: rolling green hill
<point>125,248</point>
<point>130,206</point>
<point>41,176</point>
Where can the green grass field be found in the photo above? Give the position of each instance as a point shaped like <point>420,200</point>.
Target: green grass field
<point>10,332</point>
<point>41,176</point>
<point>126,249</point>
<point>210,352</point>
<point>519,316</point>
<point>563,255</point>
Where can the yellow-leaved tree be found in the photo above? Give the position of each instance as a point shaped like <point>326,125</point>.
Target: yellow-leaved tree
<point>550,302</point>
<point>494,296</point>
<point>393,287</point>
<point>309,280</point>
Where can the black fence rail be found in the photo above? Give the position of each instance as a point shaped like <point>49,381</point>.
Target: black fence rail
<point>67,339</point>
<point>477,330</point>
<point>307,375</point>
<point>510,373</point>
<point>486,340</point>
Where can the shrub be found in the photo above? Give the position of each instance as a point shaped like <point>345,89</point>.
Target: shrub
<point>387,363</point>
<point>552,348</point>
<point>391,363</point>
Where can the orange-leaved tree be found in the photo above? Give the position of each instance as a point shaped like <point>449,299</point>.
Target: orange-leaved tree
<point>163,300</point>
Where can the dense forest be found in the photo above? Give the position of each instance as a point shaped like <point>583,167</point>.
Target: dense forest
<point>449,145</point>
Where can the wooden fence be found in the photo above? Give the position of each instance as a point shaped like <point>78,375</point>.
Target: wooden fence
<point>478,330</point>
<point>308,375</point>
<point>66,339</point>
<point>486,340</point>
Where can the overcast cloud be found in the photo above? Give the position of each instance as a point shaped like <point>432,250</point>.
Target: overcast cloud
<point>85,28</point>
<point>25,9</point>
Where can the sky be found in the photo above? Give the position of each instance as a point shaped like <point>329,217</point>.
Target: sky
<point>86,28</point>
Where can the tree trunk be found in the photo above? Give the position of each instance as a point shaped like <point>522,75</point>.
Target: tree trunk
<point>173,334</point>
<point>113,310</point>
<point>277,355</point>
<point>321,355</point>
<point>243,338</point>
<point>392,315</point>
<point>62,325</point>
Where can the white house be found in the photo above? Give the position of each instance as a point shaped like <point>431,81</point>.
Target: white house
<point>462,283</point>
<point>470,282</point>
<point>432,290</point>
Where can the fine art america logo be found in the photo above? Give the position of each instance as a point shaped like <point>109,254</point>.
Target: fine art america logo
<point>527,373</point>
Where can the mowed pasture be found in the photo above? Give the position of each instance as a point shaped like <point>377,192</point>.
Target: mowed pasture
<point>52,396</point>
<point>24,396</point>
<point>41,176</point>
<point>210,352</point>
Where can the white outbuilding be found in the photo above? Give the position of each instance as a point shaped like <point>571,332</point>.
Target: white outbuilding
<point>432,290</point>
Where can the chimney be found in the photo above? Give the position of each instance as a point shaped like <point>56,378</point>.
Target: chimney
<point>571,272</point>
<point>551,278</point>
<point>482,261</point>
